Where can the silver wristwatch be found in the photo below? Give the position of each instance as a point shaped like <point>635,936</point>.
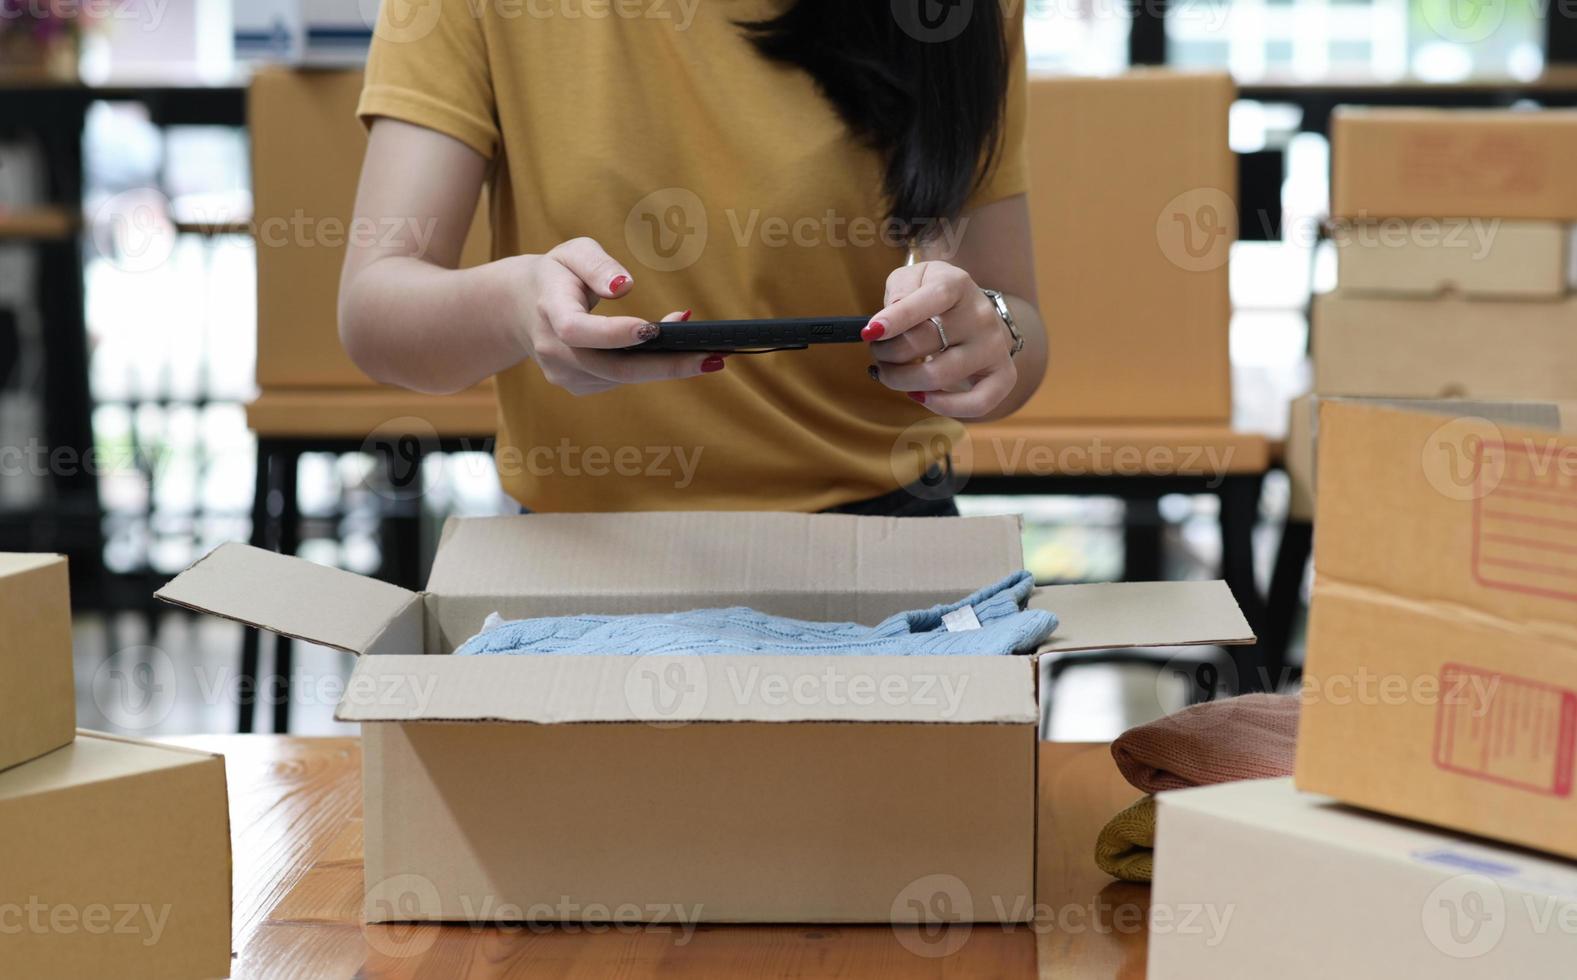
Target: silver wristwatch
<point>1001,303</point>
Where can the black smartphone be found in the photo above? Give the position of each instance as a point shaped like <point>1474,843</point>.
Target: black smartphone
<point>740,336</point>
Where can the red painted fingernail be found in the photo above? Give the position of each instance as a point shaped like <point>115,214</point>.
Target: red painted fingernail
<point>873,331</point>
<point>618,283</point>
<point>712,364</point>
<point>918,396</point>
<point>686,316</point>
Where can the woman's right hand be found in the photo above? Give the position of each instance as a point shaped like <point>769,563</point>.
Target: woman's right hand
<point>578,351</point>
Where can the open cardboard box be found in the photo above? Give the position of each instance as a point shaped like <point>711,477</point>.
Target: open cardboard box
<point>720,788</point>
<point>1441,678</point>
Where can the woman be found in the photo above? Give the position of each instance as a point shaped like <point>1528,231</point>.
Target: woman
<point>727,158</point>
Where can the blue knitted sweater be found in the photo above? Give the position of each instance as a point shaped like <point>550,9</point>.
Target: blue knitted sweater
<point>1006,627</point>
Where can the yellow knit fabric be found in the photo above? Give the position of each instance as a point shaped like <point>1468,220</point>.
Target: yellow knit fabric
<point>1125,848</point>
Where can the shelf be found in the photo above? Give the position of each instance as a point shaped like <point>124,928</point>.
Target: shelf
<point>37,224</point>
<point>213,229</point>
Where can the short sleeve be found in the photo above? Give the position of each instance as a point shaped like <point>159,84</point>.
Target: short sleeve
<point>1009,174</point>
<point>429,67</point>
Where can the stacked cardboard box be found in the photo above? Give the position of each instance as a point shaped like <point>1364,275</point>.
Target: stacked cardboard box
<point>1440,687</point>
<point>1453,233</point>
<point>1133,202</point>
<point>114,853</point>
<point>307,149</point>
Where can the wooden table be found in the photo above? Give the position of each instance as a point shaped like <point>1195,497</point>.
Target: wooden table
<point>295,812</point>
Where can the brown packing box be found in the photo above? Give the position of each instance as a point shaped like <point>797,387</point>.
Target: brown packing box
<point>1255,879</point>
<point>1303,432</point>
<point>719,788</point>
<point>1300,458</point>
<point>1132,200</point>
<point>1457,163</point>
<point>38,707</point>
<point>1448,348</point>
<point>115,862</point>
<point>307,147</point>
<point>1441,679</point>
<point>1479,257</point>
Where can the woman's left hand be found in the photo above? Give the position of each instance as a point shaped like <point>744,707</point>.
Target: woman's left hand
<point>965,377</point>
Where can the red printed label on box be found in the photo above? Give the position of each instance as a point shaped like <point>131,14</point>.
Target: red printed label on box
<point>1506,730</point>
<point>1524,520</point>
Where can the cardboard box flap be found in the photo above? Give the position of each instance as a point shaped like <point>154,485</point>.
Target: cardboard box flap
<point>1461,515</point>
<point>669,690</point>
<point>822,567</point>
<point>292,597</point>
<point>722,554</point>
<point>1121,615</point>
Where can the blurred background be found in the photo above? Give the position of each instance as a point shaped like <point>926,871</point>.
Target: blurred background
<point>128,305</point>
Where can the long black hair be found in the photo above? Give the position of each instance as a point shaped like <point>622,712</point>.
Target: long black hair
<point>926,92</point>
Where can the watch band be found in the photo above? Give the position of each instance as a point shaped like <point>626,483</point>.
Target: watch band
<point>1000,302</point>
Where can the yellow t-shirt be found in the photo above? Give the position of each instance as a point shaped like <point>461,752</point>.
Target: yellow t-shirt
<point>727,184</point>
